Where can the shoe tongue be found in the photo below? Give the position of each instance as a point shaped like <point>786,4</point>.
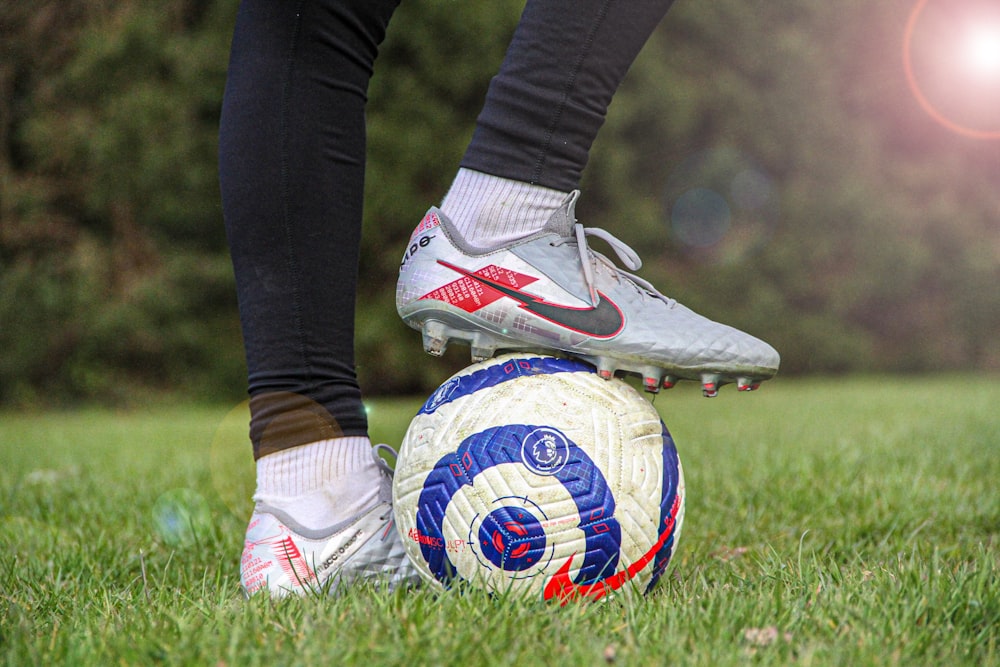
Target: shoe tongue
<point>564,218</point>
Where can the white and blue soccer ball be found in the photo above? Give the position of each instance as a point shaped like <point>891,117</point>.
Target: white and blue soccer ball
<point>529,473</point>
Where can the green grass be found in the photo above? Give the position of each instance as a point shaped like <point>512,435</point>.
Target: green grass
<point>845,522</point>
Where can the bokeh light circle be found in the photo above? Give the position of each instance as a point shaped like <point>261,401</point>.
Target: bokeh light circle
<point>231,462</point>
<point>721,205</point>
<point>700,218</point>
<point>182,517</point>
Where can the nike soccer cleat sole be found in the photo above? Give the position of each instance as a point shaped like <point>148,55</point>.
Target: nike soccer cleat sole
<point>551,293</point>
<point>437,335</point>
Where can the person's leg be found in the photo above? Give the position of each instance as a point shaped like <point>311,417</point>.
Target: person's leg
<point>292,156</point>
<point>507,267</point>
<point>543,111</point>
<point>551,95</point>
<point>292,160</point>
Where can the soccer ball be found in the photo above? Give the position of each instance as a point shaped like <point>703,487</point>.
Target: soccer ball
<point>531,474</point>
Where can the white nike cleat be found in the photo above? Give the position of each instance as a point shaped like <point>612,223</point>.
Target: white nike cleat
<point>549,292</point>
<point>282,557</point>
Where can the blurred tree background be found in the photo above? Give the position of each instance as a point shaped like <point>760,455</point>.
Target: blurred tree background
<point>766,159</point>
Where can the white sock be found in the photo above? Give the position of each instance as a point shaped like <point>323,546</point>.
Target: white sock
<point>321,483</point>
<point>491,212</point>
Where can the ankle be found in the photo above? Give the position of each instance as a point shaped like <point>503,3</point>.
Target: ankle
<point>321,483</point>
<point>490,211</point>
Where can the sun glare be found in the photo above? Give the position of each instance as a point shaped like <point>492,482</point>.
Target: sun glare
<point>982,50</point>
<point>951,54</point>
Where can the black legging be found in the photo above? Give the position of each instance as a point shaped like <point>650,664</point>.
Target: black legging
<point>292,162</point>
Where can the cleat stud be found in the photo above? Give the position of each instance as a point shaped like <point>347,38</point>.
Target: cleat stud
<point>669,381</point>
<point>605,368</point>
<point>710,385</point>
<point>483,347</point>
<point>435,346</point>
<point>743,384</point>
<point>651,379</point>
<point>434,338</point>
<point>482,353</point>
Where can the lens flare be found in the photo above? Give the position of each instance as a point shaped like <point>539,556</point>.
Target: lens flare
<point>982,50</point>
<point>182,517</point>
<point>951,57</point>
<point>701,218</point>
<point>231,463</point>
<point>721,205</point>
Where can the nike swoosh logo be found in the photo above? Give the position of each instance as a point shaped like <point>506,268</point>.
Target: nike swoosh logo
<point>602,321</point>
<point>562,587</point>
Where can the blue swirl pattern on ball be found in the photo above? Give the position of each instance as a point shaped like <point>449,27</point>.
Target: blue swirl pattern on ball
<point>491,376</point>
<point>504,444</point>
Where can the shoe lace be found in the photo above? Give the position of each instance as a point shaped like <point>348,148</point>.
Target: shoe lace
<point>383,465</point>
<point>381,462</point>
<point>625,254</point>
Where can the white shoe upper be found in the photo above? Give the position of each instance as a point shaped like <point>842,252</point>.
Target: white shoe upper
<point>550,291</point>
<point>283,557</point>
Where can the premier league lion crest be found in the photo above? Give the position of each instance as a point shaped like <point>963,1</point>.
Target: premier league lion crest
<point>545,450</point>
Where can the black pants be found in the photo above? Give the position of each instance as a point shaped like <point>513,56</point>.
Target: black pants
<point>292,160</point>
